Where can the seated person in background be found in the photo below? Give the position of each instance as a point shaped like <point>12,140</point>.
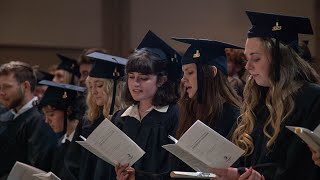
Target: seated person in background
<point>85,64</point>
<point>235,65</point>
<point>67,71</point>
<point>40,88</point>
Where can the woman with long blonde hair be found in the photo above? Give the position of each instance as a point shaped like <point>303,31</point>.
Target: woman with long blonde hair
<point>283,90</point>
<point>104,85</point>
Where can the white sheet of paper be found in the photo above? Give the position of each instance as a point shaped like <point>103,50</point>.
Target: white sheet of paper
<point>317,130</point>
<point>207,146</point>
<point>308,136</point>
<point>46,176</point>
<point>21,171</point>
<point>109,143</point>
<point>186,157</point>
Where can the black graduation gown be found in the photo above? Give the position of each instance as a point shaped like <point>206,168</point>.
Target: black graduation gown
<point>223,125</point>
<point>290,157</point>
<point>58,159</point>
<point>79,162</point>
<point>26,138</point>
<point>72,156</point>
<point>150,134</point>
<point>88,160</point>
<point>3,109</point>
<point>103,170</point>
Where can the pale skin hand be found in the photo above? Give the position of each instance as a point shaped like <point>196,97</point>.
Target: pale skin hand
<point>124,172</point>
<point>251,174</point>
<point>316,156</point>
<point>232,174</point>
<point>225,174</point>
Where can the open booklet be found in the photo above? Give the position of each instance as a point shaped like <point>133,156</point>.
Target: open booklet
<point>21,171</point>
<point>202,148</point>
<point>112,145</point>
<point>312,138</point>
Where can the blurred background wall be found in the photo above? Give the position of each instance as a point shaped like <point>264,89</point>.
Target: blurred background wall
<point>34,30</point>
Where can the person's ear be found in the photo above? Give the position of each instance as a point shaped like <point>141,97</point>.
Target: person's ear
<point>162,80</point>
<point>26,85</point>
<point>214,71</point>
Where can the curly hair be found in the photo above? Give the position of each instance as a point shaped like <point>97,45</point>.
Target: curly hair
<point>279,100</point>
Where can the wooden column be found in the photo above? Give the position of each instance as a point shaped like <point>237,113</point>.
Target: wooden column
<point>116,26</point>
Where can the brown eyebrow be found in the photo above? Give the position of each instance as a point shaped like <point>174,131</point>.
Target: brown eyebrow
<point>186,69</point>
<point>251,54</point>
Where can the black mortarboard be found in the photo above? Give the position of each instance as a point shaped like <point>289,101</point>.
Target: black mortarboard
<point>283,28</point>
<point>107,66</point>
<point>60,96</point>
<point>59,93</point>
<point>157,46</point>
<point>69,65</point>
<point>41,75</point>
<point>204,51</point>
<point>110,67</point>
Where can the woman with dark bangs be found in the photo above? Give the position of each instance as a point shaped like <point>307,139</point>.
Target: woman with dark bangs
<point>153,114</point>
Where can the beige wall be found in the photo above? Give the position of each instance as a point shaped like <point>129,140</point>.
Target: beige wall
<point>71,23</point>
<point>212,19</point>
<point>35,30</point>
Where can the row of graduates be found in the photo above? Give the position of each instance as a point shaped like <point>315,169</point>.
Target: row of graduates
<point>282,90</point>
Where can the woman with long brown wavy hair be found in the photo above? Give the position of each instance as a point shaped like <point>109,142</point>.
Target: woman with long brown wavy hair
<point>206,94</point>
<point>282,90</point>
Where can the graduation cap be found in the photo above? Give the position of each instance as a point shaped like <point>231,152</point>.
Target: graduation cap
<point>60,95</point>
<point>284,29</point>
<point>59,92</point>
<point>108,67</point>
<point>204,51</point>
<point>69,65</point>
<point>41,75</point>
<point>152,43</point>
